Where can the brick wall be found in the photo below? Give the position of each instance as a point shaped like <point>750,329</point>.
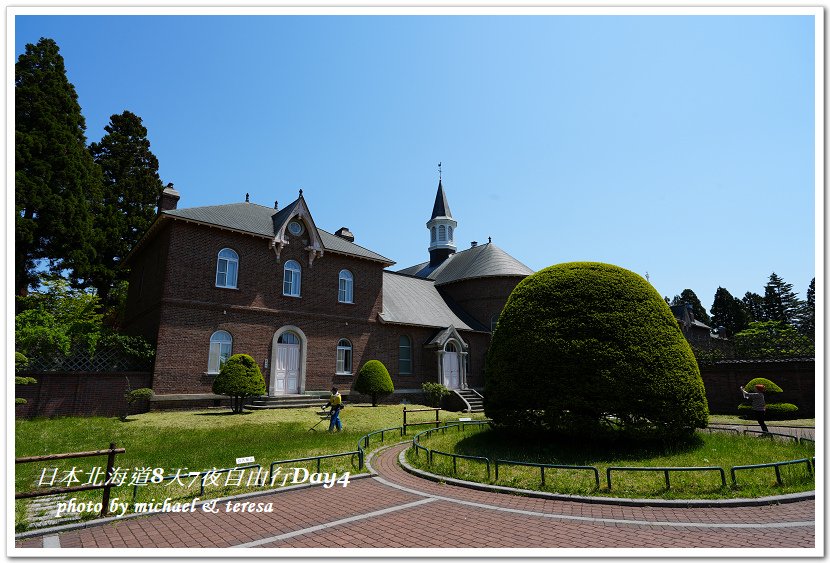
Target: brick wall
<point>796,378</point>
<point>79,394</point>
<point>482,297</point>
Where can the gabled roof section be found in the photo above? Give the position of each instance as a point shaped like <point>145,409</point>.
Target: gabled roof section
<point>441,208</point>
<point>296,210</point>
<point>482,261</point>
<point>414,301</point>
<point>440,340</point>
<point>266,222</point>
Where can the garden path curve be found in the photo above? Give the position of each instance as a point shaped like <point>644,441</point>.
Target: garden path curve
<point>395,509</point>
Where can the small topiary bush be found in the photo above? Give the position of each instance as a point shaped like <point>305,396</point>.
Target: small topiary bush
<point>589,349</point>
<point>775,411</point>
<point>373,379</point>
<point>239,378</point>
<point>434,393</point>
<point>771,388</point>
<point>134,396</point>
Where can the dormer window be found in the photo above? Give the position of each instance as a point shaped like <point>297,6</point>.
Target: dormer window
<point>227,266</point>
<point>291,279</point>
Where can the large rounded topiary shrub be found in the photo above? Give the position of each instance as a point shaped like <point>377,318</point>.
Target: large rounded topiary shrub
<point>583,347</point>
<point>239,378</point>
<point>373,379</point>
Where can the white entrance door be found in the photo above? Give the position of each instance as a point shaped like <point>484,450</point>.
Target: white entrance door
<point>287,366</point>
<point>451,368</point>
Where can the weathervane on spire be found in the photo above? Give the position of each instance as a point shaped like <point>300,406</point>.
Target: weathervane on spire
<point>439,171</point>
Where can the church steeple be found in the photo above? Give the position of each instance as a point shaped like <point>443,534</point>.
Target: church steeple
<point>441,227</point>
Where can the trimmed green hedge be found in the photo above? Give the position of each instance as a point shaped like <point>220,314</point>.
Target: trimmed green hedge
<point>585,347</point>
<point>373,379</point>
<point>770,386</point>
<point>239,378</point>
<point>775,411</point>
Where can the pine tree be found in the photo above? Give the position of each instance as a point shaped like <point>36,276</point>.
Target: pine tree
<point>729,312</point>
<point>689,296</point>
<point>56,180</point>
<point>754,306</point>
<point>807,313</point>
<point>780,302</point>
<point>130,194</point>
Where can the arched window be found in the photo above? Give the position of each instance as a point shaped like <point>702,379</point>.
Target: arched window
<point>344,357</point>
<point>291,279</point>
<point>345,287</point>
<point>288,338</point>
<point>434,233</point>
<point>494,319</point>
<point>220,350</point>
<point>449,233</point>
<point>404,355</point>
<point>226,268</point>
<point>450,347</point>
<point>442,232</point>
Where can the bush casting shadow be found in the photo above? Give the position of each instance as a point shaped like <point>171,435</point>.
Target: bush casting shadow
<point>542,447</point>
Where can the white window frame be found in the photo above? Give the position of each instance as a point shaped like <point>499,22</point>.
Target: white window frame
<point>345,287</point>
<point>227,266</point>
<point>442,233</point>
<point>291,278</point>
<point>449,233</point>
<point>434,231</point>
<point>344,357</point>
<point>221,347</point>
<point>401,346</point>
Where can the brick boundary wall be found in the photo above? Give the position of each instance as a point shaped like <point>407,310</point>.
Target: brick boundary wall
<point>796,378</point>
<point>80,394</point>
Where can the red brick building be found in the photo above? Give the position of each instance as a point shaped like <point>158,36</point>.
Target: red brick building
<point>309,306</point>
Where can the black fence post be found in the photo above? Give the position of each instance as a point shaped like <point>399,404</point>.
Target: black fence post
<point>105,501</point>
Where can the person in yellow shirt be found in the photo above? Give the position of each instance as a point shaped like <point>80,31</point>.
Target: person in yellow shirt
<point>336,403</point>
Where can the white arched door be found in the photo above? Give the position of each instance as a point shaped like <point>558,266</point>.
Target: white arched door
<point>286,375</point>
<point>451,367</point>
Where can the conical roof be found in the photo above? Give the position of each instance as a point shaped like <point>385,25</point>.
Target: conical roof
<point>441,207</point>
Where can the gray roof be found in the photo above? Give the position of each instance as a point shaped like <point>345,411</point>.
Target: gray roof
<point>482,261</point>
<point>265,221</point>
<point>441,208</point>
<point>415,301</point>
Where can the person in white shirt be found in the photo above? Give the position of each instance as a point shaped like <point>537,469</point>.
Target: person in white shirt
<point>759,404</point>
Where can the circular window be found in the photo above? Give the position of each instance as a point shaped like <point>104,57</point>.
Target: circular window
<point>295,228</point>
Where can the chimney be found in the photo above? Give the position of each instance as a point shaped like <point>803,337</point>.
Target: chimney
<point>474,244</point>
<point>345,233</point>
<point>169,199</point>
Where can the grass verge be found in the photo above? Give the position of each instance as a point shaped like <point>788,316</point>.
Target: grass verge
<point>192,441</point>
<point>716,449</point>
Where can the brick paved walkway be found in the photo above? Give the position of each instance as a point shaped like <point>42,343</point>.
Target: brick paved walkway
<point>396,509</point>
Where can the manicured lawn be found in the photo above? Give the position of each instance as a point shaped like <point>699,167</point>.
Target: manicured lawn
<point>716,449</point>
<point>198,441</point>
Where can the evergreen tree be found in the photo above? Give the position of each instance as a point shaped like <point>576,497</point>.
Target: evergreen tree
<point>689,296</point>
<point>729,312</point>
<point>56,180</point>
<point>754,306</point>
<point>780,302</point>
<point>130,194</point>
<point>807,314</point>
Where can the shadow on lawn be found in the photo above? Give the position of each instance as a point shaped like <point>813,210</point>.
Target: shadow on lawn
<point>223,413</point>
<point>540,447</point>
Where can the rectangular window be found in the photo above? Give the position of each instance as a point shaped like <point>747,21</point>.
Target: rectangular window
<point>344,360</point>
<point>404,356</point>
<point>288,283</point>
<point>222,273</point>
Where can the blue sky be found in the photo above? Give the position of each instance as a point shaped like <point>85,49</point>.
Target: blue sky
<point>681,146</point>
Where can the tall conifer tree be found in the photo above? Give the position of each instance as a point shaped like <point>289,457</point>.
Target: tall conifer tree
<point>780,302</point>
<point>728,312</point>
<point>131,191</point>
<point>56,180</point>
<point>754,305</point>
